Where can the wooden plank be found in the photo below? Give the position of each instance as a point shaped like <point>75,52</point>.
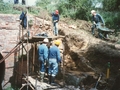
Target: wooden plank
<point>50,38</point>
<point>40,38</point>
<point>40,85</point>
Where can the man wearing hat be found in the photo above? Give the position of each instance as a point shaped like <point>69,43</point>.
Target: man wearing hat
<point>97,20</point>
<point>43,57</point>
<point>54,59</point>
<point>55,19</point>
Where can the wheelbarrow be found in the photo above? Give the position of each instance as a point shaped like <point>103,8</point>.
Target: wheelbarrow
<point>103,32</point>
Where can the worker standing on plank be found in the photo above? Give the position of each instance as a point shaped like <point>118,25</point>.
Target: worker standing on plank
<point>43,57</point>
<point>23,18</point>
<point>55,20</point>
<point>54,59</point>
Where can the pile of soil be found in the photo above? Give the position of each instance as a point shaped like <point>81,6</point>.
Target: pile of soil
<point>83,52</point>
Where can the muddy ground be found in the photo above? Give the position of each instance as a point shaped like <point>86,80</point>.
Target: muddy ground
<point>85,55</point>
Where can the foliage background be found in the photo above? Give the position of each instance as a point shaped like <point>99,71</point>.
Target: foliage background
<point>80,9</point>
<point>75,9</point>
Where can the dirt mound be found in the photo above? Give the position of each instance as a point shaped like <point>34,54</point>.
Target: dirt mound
<point>83,52</point>
<point>81,46</point>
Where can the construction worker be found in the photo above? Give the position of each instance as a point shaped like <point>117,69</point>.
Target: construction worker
<point>43,57</point>
<point>54,60</point>
<point>23,2</point>
<point>16,1</point>
<point>97,20</point>
<point>23,18</point>
<point>55,20</point>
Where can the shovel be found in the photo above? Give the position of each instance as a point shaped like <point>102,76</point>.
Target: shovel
<point>95,88</point>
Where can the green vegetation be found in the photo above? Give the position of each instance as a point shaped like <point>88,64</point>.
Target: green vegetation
<point>7,8</point>
<point>75,9</point>
<point>80,9</point>
<point>111,13</point>
<point>11,88</point>
<point>111,5</point>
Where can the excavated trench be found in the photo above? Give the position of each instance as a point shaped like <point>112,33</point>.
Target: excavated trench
<point>79,69</point>
<point>76,70</point>
<point>74,73</point>
<point>82,65</point>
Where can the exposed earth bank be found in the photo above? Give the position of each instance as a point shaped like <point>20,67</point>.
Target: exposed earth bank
<point>84,54</point>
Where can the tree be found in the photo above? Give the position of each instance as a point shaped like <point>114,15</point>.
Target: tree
<point>76,9</point>
<point>111,5</point>
<point>43,3</point>
<point>1,1</point>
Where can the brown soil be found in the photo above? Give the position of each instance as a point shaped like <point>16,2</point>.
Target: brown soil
<point>83,52</point>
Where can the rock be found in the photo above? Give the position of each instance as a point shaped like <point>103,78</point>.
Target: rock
<point>72,79</point>
<point>117,46</point>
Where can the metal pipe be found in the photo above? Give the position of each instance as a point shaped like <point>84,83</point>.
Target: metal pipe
<point>27,45</point>
<point>63,61</point>
<point>11,52</point>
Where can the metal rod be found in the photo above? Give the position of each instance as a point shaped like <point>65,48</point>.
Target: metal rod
<point>27,84</point>
<point>22,55</point>
<point>27,62</point>
<point>27,45</point>
<point>33,56</point>
<point>63,61</point>
<point>3,59</point>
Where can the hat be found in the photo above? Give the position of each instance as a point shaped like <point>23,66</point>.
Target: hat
<point>45,40</point>
<point>57,42</point>
<point>56,12</point>
<point>93,11</point>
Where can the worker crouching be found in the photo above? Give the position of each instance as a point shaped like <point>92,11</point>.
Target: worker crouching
<point>54,59</point>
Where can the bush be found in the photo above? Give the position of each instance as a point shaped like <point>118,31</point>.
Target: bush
<point>7,8</point>
<point>112,20</point>
<point>111,5</point>
<point>78,9</point>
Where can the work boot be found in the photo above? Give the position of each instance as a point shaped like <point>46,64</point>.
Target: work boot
<point>49,78</point>
<point>92,31</point>
<point>52,80</point>
<point>41,77</point>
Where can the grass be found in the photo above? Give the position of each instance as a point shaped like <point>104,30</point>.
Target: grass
<point>10,88</point>
<point>6,8</point>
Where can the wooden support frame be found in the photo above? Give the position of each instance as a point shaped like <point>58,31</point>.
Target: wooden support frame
<point>28,83</point>
<point>33,60</point>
